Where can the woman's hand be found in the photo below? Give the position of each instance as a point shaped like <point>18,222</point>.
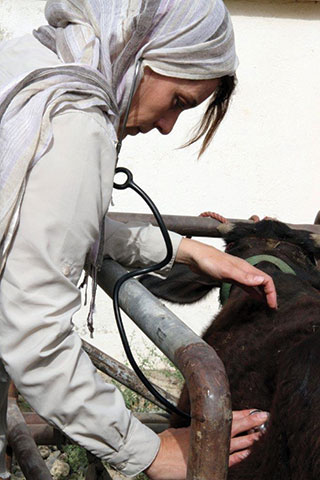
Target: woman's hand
<point>244,421</point>
<point>208,260</point>
<point>171,461</point>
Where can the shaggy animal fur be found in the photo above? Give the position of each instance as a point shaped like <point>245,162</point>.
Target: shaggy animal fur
<point>272,358</point>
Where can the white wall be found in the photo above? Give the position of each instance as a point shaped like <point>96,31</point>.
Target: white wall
<point>265,157</point>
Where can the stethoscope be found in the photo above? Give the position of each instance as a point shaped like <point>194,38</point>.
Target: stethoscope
<point>129,183</point>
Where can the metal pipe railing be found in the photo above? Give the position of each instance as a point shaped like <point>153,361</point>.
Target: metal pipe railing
<point>123,374</point>
<point>195,226</point>
<point>44,434</point>
<point>202,368</point>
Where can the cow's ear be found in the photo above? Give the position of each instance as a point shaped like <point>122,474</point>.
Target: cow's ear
<point>181,285</point>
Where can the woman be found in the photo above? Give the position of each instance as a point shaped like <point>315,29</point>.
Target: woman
<point>63,97</point>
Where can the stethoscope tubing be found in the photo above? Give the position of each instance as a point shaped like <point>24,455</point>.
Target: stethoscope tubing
<point>129,183</point>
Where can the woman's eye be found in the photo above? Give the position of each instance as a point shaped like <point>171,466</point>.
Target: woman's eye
<point>180,103</point>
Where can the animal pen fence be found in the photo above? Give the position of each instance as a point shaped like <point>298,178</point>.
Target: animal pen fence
<point>201,367</point>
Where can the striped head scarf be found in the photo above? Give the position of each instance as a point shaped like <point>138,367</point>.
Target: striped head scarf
<point>99,43</point>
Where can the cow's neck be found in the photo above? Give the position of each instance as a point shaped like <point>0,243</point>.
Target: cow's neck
<point>254,260</point>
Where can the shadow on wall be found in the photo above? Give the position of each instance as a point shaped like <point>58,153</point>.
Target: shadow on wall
<point>303,10</point>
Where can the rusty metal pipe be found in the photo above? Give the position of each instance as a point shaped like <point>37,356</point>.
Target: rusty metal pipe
<point>211,412</point>
<point>194,226</point>
<point>203,370</point>
<point>41,432</point>
<point>123,374</point>
<point>44,434</point>
<point>156,421</point>
<point>47,435</point>
<point>32,418</point>
<point>23,445</point>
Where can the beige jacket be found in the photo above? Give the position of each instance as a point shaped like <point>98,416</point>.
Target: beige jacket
<point>67,193</point>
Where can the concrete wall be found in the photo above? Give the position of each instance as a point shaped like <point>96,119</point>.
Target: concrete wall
<point>265,157</point>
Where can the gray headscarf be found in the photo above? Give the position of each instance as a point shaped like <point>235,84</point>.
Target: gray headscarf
<point>99,43</point>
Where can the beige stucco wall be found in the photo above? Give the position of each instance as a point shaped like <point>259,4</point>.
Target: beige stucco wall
<point>265,157</point>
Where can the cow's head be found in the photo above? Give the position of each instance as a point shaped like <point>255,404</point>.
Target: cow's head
<point>298,248</point>
<point>271,237</point>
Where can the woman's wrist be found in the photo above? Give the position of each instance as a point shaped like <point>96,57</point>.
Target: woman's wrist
<point>187,251</point>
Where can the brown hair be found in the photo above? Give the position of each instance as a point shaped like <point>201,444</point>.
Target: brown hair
<point>215,112</point>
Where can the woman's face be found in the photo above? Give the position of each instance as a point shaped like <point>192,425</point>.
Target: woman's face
<point>159,100</point>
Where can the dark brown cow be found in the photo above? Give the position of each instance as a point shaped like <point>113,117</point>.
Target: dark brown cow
<point>272,358</point>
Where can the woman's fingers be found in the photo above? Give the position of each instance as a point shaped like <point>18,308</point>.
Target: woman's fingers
<point>243,421</point>
<point>244,442</point>
<point>203,258</point>
<point>254,281</point>
<point>238,457</point>
<point>259,285</point>
<point>171,460</point>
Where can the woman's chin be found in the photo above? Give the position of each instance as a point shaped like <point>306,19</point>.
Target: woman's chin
<point>132,131</point>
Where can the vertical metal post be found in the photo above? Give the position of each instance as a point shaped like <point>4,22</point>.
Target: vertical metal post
<point>22,443</point>
<point>203,370</point>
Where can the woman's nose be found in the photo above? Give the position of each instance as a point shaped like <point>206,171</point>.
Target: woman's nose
<point>166,123</point>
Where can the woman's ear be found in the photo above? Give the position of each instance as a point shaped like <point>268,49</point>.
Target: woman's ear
<point>181,285</point>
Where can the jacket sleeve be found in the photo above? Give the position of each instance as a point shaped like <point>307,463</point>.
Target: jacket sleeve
<point>135,244</point>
